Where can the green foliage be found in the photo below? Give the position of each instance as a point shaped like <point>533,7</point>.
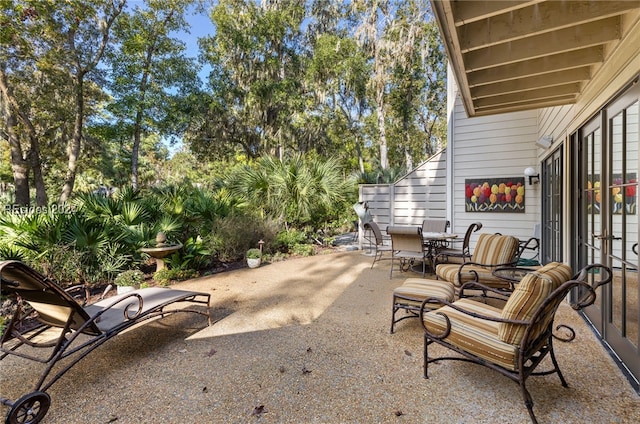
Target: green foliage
<point>302,249</point>
<point>165,276</point>
<point>286,240</point>
<point>101,236</point>
<point>299,190</point>
<point>233,235</point>
<point>381,176</point>
<point>194,255</point>
<point>132,277</point>
<point>254,253</point>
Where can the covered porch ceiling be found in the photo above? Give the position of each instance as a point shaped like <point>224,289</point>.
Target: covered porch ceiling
<point>527,54</point>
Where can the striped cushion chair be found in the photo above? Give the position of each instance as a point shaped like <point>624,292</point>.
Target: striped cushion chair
<point>515,339</point>
<point>490,252</point>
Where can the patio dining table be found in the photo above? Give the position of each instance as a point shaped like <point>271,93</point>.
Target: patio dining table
<point>433,241</point>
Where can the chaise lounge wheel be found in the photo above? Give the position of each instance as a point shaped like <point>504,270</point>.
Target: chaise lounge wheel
<point>29,409</point>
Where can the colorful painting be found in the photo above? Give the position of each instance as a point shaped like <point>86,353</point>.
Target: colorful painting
<point>494,195</point>
<point>623,197</point>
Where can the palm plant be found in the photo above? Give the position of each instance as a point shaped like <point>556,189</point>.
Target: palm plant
<point>297,191</point>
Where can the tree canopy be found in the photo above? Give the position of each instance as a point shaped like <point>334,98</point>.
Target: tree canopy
<point>97,93</point>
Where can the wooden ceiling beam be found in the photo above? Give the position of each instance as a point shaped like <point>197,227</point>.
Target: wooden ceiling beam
<point>537,19</point>
<point>492,110</point>
<point>531,96</point>
<point>466,11</point>
<point>532,83</point>
<point>541,45</point>
<point>542,65</point>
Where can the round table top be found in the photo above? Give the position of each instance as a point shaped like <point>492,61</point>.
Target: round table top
<point>512,274</point>
<point>438,236</point>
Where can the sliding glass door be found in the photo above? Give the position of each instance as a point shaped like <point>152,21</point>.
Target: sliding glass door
<point>607,228</point>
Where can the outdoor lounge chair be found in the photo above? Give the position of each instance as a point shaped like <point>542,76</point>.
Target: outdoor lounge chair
<point>515,339</point>
<point>491,251</point>
<point>62,329</point>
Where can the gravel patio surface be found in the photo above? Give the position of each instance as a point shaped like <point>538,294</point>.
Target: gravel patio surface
<point>307,341</point>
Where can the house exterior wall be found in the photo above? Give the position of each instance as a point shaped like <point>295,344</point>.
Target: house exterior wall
<point>498,146</point>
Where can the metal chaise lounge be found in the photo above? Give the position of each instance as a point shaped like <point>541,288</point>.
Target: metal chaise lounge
<point>49,326</point>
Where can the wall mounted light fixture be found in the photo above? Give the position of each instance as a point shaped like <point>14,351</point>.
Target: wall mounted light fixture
<point>545,141</point>
<point>534,177</point>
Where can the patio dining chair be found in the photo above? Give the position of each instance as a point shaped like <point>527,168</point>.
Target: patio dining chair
<point>378,239</point>
<point>460,254</point>
<point>407,247</point>
<point>516,339</point>
<point>431,225</point>
<point>50,327</point>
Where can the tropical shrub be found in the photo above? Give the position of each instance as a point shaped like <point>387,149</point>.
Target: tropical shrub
<point>132,277</point>
<point>302,249</point>
<point>165,276</point>
<point>233,235</point>
<point>297,191</point>
<point>287,239</point>
<point>193,255</point>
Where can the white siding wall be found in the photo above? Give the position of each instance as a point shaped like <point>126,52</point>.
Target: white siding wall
<point>421,194</point>
<point>494,147</point>
<point>554,121</point>
<point>418,195</point>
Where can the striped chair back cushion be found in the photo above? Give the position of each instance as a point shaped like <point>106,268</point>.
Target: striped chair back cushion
<point>529,294</point>
<point>495,249</point>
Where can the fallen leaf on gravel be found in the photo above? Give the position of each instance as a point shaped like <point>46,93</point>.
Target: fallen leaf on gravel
<point>308,350</point>
<point>406,352</point>
<point>282,369</point>
<point>211,352</point>
<point>258,410</point>
<point>204,389</point>
<point>399,413</point>
<point>305,370</point>
<point>182,351</point>
<point>112,419</point>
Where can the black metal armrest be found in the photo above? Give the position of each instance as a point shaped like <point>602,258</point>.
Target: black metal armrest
<point>582,277</point>
<point>79,291</point>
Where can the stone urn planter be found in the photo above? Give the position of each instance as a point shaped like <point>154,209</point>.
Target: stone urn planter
<point>254,258</point>
<point>124,289</point>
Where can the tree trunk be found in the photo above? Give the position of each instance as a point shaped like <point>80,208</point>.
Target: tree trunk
<point>18,165</point>
<point>382,132</point>
<point>408,159</point>
<point>76,142</point>
<point>136,149</point>
<point>34,158</point>
<point>359,153</point>
<point>34,154</point>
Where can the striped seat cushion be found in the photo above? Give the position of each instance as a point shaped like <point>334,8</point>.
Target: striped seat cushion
<point>474,335</point>
<point>449,272</point>
<point>490,249</point>
<point>415,290</point>
<point>528,295</point>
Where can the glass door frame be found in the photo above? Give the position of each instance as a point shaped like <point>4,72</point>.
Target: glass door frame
<point>599,152</point>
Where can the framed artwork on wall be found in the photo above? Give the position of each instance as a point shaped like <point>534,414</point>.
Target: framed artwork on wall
<point>494,195</point>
